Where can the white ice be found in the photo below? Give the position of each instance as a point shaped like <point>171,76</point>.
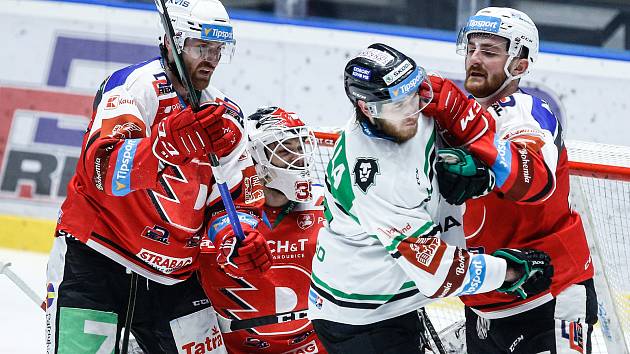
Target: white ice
<point>22,322</point>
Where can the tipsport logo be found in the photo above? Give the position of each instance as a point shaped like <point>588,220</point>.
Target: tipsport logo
<point>483,24</point>
<point>124,164</point>
<point>477,275</point>
<point>410,84</point>
<point>217,33</point>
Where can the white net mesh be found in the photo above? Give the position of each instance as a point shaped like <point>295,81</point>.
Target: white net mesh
<point>600,192</point>
<point>600,183</point>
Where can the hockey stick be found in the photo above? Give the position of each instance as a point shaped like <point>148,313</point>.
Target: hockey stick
<point>131,306</point>
<point>436,339</point>
<point>227,325</point>
<point>453,338</point>
<point>4,269</point>
<point>27,290</point>
<point>226,197</point>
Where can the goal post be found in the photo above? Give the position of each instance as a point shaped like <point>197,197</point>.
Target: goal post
<point>600,192</point>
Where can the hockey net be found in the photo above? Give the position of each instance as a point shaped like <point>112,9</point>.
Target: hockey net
<point>600,192</point>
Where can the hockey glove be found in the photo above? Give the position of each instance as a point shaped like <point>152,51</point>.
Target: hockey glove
<point>238,258</point>
<point>462,120</point>
<point>181,137</point>
<point>462,176</point>
<point>534,267</point>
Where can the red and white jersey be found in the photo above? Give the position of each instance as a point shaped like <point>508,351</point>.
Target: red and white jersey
<point>282,289</point>
<point>529,208</point>
<point>131,207</point>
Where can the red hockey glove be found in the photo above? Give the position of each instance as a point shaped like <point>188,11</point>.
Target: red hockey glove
<point>462,119</point>
<point>224,135</point>
<point>187,135</point>
<point>238,258</point>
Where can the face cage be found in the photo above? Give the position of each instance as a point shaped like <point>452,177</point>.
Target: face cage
<point>293,180</point>
<point>404,106</point>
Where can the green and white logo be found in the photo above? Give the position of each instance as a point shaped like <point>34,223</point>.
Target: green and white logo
<point>86,331</point>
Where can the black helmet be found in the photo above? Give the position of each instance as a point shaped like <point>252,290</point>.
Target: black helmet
<point>379,75</point>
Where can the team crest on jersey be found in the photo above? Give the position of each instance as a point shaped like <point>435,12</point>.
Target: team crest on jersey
<point>193,241</point>
<point>162,85</point>
<point>255,343</point>
<point>304,221</point>
<point>156,233</point>
<point>365,171</point>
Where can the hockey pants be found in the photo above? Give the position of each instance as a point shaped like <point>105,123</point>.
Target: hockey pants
<point>88,297</point>
<point>562,325</point>
<point>398,335</point>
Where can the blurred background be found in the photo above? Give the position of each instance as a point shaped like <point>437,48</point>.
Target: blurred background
<point>600,23</point>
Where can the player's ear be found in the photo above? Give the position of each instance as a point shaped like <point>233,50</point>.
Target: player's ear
<point>519,66</point>
<point>363,107</point>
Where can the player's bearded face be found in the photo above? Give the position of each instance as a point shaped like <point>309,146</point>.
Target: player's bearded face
<point>399,129</point>
<point>201,59</point>
<point>485,60</point>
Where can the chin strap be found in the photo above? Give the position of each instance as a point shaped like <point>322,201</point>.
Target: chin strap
<point>509,78</point>
<point>493,96</point>
<point>374,131</point>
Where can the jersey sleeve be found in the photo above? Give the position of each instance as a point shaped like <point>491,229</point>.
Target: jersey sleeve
<point>523,151</point>
<point>408,232</point>
<point>411,237</point>
<point>117,147</point>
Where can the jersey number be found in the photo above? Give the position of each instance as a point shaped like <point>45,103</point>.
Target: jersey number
<point>338,170</point>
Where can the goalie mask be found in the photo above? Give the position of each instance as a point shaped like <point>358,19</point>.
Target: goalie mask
<point>282,147</point>
<point>202,19</point>
<point>387,81</point>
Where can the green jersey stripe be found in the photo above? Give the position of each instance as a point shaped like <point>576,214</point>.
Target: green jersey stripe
<point>341,294</point>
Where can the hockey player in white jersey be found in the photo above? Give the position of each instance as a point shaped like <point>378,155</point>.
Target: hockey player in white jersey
<point>380,256</point>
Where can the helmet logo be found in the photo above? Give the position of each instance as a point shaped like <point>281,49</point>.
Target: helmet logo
<point>398,71</point>
<point>216,33</point>
<point>362,73</point>
<point>288,119</point>
<point>182,3</point>
<point>380,57</point>
<point>410,84</point>
<point>483,24</point>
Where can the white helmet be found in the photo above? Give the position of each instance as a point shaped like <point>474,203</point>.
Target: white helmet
<point>514,25</point>
<point>202,19</point>
<point>280,136</point>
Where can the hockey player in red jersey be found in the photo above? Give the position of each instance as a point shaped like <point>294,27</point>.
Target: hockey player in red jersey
<point>128,234</point>
<point>522,200</point>
<point>268,314</point>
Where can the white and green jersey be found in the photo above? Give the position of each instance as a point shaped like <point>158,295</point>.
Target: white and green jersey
<point>382,253</point>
